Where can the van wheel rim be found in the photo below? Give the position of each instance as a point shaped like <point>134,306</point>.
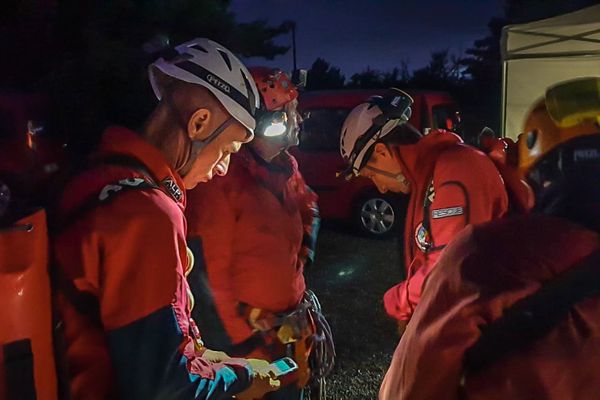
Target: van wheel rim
<point>377,216</point>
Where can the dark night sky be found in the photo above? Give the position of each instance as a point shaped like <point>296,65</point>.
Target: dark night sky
<point>354,34</point>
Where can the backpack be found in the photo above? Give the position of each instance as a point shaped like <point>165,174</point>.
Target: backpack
<point>32,362</point>
<point>533,317</point>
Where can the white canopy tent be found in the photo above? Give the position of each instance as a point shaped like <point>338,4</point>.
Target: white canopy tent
<point>538,54</point>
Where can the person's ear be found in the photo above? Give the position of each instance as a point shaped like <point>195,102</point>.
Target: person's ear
<point>198,124</point>
<point>381,151</point>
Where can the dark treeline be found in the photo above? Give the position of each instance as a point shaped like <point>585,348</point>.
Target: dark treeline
<point>88,55</point>
<point>473,78</point>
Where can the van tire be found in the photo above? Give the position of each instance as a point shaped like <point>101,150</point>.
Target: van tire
<point>379,215</point>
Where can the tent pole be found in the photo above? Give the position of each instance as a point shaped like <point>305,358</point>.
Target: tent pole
<point>504,87</point>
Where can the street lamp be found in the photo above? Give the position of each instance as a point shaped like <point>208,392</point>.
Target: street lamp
<point>291,26</point>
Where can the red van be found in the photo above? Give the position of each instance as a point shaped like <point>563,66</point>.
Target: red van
<point>358,201</point>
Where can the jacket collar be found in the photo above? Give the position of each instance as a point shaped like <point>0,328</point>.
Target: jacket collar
<point>418,160</point>
<point>122,141</point>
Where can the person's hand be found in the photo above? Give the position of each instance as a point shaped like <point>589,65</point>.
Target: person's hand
<point>260,367</point>
<point>215,356</point>
<point>402,327</point>
<point>263,381</point>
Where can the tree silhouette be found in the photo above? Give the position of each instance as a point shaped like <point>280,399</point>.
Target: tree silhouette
<point>89,53</point>
<point>441,73</point>
<point>27,44</point>
<point>366,79</point>
<point>115,83</point>
<point>397,77</point>
<point>375,79</point>
<point>519,11</point>
<point>323,75</point>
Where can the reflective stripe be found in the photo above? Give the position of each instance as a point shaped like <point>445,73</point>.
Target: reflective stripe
<point>447,212</point>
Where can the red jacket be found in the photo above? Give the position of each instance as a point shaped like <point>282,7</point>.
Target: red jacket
<point>124,299</point>
<point>459,185</point>
<point>485,270</point>
<point>252,223</point>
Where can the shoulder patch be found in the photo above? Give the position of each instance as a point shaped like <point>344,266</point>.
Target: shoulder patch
<point>172,188</point>
<point>446,212</point>
<point>422,238</point>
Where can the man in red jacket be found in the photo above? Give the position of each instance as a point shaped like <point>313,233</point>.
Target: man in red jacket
<point>499,317</point>
<point>451,185</point>
<point>257,228</point>
<point>121,245</point>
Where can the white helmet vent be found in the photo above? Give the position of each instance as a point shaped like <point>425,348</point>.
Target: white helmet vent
<point>206,63</point>
<point>226,58</point>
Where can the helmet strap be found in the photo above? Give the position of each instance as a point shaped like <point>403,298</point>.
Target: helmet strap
<point>398,176</point>
<point>198,145</point>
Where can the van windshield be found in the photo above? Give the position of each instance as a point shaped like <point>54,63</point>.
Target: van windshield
<point>446,116</point>
<point>321,131</point>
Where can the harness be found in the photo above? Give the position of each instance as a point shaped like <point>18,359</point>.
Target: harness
<point>305,334</point>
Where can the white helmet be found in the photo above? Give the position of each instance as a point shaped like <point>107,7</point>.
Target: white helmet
<point>369,122</point>
<point>207,63</point>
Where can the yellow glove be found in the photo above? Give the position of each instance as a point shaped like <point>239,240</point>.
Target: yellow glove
<point>263,381</point>
<point>215,356</point>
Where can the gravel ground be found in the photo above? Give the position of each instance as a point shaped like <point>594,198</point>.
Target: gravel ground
<point>350,276</point>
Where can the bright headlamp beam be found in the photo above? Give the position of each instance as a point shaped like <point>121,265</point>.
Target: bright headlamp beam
<point>275,129</point>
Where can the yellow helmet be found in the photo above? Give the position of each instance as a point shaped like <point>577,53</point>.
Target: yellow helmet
<point>569,110</point>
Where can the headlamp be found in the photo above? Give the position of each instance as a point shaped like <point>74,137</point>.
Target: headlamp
<point>272,124</point>
<point>275,129</point>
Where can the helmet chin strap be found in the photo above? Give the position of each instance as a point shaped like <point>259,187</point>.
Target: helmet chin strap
<point>198,145</point>
<point>398,176</point>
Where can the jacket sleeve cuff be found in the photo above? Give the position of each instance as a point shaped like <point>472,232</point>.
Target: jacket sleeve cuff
<point>395,307</point>
<point>243,370</point>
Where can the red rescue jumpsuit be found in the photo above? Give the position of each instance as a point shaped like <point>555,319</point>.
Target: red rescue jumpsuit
<point>256,225</point>
<point>124,301</point>
<point>456,185</point>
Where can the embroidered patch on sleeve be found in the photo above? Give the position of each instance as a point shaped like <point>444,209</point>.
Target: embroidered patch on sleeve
<point>446,212</point>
